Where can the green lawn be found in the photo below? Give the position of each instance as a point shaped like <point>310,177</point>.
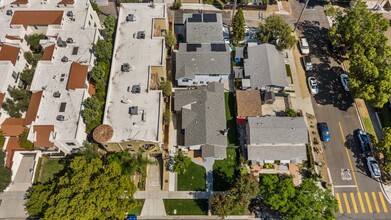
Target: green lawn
<point>230,113</point>
<point>193,180</point>
<point>137,210</point>
<point>369,127</point>
<point>186,206</point>
<point>224,171</point>
<point>49,168</point>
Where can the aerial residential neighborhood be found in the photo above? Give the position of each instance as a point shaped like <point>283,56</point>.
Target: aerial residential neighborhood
<point>183,109</point>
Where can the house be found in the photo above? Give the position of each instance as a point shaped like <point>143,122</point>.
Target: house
<point>265,68</point>
<point>199,64</point>
<point>133,112</point>
<point>203,119</point>
<point>271,139</point>
<point>204,28</point>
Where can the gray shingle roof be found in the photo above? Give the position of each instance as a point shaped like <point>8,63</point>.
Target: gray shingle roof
<point>277,130</point>
<point>202,31</point>
<point>214,151</point>
<point>201,61</point>
<point>203,114</point>
<point>294,153</point>
<point>265,66</point>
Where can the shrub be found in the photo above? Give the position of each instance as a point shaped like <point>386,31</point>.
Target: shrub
<point>177,4</point>
<point>290,112</point>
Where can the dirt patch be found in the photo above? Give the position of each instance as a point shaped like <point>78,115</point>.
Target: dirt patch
<point>362,108</point>
<point>300,74</point>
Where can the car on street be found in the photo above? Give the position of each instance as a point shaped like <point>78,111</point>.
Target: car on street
<point>304,47</point>
<point>345,81</point>
<point>307,63</point>
<point>373,167</point>
<point>324,131</point>
<point>313,84</point>
<point>364,141</point>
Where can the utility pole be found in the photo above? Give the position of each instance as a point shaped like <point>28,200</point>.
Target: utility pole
<point>301,15</point>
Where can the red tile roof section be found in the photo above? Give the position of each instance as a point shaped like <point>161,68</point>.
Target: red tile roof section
<point>32,111</point>
<point>10,37</point>
<point>20,2</point>
<point>77,76</point>
<point>66,2</point>
<point>10,53</point>
<point>12,146</point>
<point>2,95</point>
<point>27,18</point>
<point>12,127</point>
<point>42,135</point>
<point>48,53</point>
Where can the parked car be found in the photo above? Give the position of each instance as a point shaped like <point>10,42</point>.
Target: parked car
<point>307,63</point>
<point>373,167</point>
<point>324,131</point>
<point>313,84</point>
<point>345,81</point>
<point>364,141</point>
<point>304,47</point>
<point>171,163</point>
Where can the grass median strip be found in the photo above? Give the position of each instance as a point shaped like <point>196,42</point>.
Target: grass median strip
<point>186,206</point>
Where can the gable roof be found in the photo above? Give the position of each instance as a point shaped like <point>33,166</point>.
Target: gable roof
<point>48,52</point>
<point>8,52</point>
<point>213,151</point>
<point>265,66</point>
<point>248,103</point>
<point>203,114</point>
<point>77,76</point>
<point>277,130</point>
<point>12,146</point>
<point>43,135</point>
<point>27,18</point>
<point>32,110</point>
<point>204,28</point>
<point>12,127</point>
<point>295,153</point>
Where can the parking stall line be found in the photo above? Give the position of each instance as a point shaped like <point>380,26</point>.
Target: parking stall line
<point>354,202</point>
<point>345,199</point>
<point>382,202</point>
<point>339,202</point>
<point>375,201</point>
<point>361,202</point>
<point>368,202</point>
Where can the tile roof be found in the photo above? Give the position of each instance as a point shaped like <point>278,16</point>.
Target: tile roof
<point>10,37</point>
<point>32,111</point>
<point>248,103</point>
<point>12,126</point>
<point>66,2</point>
<point>10,53</point>
<point>27,18</point>
<point>2,95</point>
<point>77,76</point>
<point>43,135</point>
<point>20,2</point>
<point>12,146</point>
<point>48,52</point>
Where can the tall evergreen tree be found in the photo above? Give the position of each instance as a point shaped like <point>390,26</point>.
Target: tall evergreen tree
<point>238,26</point>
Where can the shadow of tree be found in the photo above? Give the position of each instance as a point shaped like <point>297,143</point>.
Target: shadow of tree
<point>221,182</point>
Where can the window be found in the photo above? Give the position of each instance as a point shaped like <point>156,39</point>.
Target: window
<point>36,28</point>
<point>15,75</point>
<point>17,58</point>
<point>91,16</point>
<point>94,24</point>
<point>70,144</point>
<point>89,23</point>
<point>185,80</point>
<point>9,88</point>
<point>201,82</point>
<point>213,74</point>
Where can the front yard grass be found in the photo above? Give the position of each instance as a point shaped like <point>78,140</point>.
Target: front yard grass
<point>369,127</point>
<point>50,167</point>
<point>186,206</point>
<point>137,209</point>
<point>224,171</point>
<point>193,180</point>
<point>230,114</point>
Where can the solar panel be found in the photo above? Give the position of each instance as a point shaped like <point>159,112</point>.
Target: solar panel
<point>210,17</point>
<point>192,47</point>
<point>195,18</point>
<point>63,106</point>
<point>218,47</point>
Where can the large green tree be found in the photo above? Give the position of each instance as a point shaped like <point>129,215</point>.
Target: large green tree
<point>182,162</point>
<point>276,31</point>
<point>99,74</point>
<point>27,76</point>
<point>130,163</point>
<point>383,147</point>
<point>33,41</point>
<point>5,173</point>
<point>103,50</point>
<point>18,103</point>
<point>171,39</point>
<point>222,204</point>
<point>110,24</point>
<point>87,190</point>
<point>238,23</point>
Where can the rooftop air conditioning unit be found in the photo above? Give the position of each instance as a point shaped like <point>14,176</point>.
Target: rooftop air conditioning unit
<point>64,59</point>
<point>9,12</point>
<point>133,110</point>
<point>61,43</point>
<point>60,118</point>
<point>136,89</point>
<point>141,35</point>
<point>125,67</point>
<point>69,40</point>
<point>57,94</point>
<point>131,17</point>
<point>70,13</point>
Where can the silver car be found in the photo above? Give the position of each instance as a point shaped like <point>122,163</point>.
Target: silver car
<point>313,84</point>
<point>307,63</point>
<point>373,167</point>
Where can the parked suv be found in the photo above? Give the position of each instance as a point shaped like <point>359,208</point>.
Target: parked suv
<point>364,141</point>
<point>304,47</point>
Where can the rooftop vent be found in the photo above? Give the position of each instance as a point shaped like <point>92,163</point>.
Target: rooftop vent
<point>131,17</point>
<point>136,89</point>
<point>57,94</point>
<point>125,67</point>
<point>133,110</point>
<point>61,43</point>
<point>60,118</point>
<point>141,35</point>
<point>69,40</point>
<point>9,12</point>
<point>64,59</point>
<point>70,13</point>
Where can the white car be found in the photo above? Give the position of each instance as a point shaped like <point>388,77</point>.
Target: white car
<point>373,167</point>
<point>345,81</point>
<point>313,84</point>
<point>304,47</point>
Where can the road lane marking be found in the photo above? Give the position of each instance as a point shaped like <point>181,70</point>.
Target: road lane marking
<point>339,203</point>
<point>345,186</point>
<point>375,201</point>
<point>382,202</point>
<point>347,154</point>
<point>354,202</point>
<point>368,202</point>
<point>345,199</point>
<point>361,202</point>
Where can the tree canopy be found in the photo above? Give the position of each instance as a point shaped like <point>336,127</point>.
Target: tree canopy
<point>171,38</point>
<point>110,24</point>
<point>103,50</point>
<point>383,147</point>
<point>276,31</point>
<point>98,74</point>
<point>5,173</point>
<point>33,41</point>
<point>130,163</point>
<point>182,162</point>
<point>87,190</point>
<point>26,144</point>
<point>18,103</point>
<point>238,23</point>
<point>27,76</point>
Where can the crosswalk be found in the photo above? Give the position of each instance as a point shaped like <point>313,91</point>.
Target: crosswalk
<point>361,202</point>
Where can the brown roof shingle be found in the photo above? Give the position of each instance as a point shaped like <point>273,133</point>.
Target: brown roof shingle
<point>10,37</point>
<point>27,18</point>
<point>20,2</point>
<point>66,2</point>
<point>32,111</point>
<point>248,103</point>
<point>2,95</point>
<point>43,135</point>
<point>10,53</point>
<point>12,146</point>
<point>48,53</point>
<point>77,76</point>
<point>12,126</point>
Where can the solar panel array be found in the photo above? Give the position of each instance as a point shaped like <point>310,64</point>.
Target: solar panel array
<point>218,47</point>
<point>192,47</point>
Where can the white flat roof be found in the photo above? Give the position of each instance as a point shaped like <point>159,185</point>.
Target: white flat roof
<point>5,67</point>
<point>141,54</point>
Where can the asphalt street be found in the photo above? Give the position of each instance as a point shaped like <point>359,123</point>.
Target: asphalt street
<point>359,196</point>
